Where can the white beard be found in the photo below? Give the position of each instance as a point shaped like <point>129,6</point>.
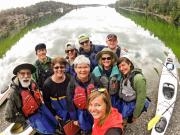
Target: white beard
<point>25,84</point>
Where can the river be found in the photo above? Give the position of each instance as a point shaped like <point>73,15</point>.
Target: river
<point>143,47</point>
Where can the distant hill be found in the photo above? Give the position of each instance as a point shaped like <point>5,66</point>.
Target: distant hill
<point>13,20</point>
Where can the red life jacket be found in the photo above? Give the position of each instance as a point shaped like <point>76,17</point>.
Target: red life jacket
<point>81,94</point>
<point>31,100</point>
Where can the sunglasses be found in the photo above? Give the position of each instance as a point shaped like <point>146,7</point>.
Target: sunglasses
<point>84,42</point>
<point>67,51</point>
<point>99,90</point>
<point>57,67</point>
<point>106,58</point>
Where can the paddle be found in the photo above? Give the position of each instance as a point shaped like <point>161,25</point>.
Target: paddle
<point>156,118</point>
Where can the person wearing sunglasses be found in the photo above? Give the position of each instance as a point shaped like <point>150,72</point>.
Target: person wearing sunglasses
<point>132,91</point>
<point>112,43</point>
<point>71,54</point>
<point>108,74</point>
<point>77,93</point>
<point>54,90</point>
<point>89,49</point>
<point>107,120</point>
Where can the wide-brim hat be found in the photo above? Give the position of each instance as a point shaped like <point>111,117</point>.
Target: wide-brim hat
<point>24,66</point>
<point>106,51</point>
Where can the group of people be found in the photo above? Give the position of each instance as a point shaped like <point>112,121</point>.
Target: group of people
<point>94,86</point>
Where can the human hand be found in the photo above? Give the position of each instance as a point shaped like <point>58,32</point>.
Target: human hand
<point>58,118</point>
<point>76,123</point>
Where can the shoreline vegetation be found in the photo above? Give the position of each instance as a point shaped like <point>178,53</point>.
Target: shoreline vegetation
<point>16,22</point>
<point>168,33</point>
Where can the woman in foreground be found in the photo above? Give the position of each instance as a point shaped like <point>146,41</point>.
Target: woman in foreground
<point>107,120</point>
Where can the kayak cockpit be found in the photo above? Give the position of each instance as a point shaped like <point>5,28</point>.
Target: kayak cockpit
<point>168,90</point>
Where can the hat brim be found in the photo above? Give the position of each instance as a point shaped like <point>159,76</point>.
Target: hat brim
<point>24,66</point>
<point>98,56</point>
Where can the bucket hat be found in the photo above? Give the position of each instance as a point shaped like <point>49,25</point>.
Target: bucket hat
<point>106,51</point>
<point>24,66</point>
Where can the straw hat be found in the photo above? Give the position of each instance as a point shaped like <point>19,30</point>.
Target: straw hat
<point>106,51</point>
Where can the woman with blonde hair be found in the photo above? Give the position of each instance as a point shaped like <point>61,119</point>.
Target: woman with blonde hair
<point>107,120</point>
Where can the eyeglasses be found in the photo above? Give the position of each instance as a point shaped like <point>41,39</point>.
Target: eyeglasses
<point>25,73</point>
<point>57,67</point>
<point>84,42</point>
<point>106,58</point>
<point>67,51</point>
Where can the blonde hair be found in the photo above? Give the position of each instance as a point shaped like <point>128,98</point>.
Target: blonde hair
<point>106,98</point>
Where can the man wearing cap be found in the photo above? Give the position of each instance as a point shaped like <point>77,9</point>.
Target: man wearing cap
<point>71,54</point>
<point>40,119</point>
<point>42,64</point>
<point>112,42</point>
<point>77,93</point>
<point>88,49</point>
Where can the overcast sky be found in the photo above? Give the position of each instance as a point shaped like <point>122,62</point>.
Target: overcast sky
<point>5,4</point>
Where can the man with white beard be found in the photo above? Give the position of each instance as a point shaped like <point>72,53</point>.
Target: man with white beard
<point>25,103</point>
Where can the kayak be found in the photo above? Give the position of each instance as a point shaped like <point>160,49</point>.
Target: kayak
<point>166,95</point>
<point>18,129</point>
<point>4,94</point>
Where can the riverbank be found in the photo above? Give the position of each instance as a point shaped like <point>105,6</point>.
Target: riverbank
<point>167,33</point>
<point>15,23</point>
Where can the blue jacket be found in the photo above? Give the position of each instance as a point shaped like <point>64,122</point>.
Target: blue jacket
<point>92,54</point>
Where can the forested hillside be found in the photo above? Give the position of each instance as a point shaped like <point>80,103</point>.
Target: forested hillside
<point>169,9</point>
<point>13,20</point>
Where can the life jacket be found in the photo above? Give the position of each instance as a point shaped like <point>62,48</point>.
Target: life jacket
<point>127,91</point>
<point>110,83</point>
<point>31,100</point>
<point>81,94</point>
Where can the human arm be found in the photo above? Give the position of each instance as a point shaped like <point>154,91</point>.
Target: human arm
<point>70,105</point>
<point>47,89</point>
<point>140,87</point>
<point>13,112</point>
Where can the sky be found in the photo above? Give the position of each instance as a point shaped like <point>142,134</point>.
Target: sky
<point>6,4</point>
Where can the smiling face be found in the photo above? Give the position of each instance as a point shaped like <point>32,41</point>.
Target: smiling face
<point>97,107</point>
<point>59,70</point>
<point>106,61</point>
<point>24,77</point>
<point>86,45</point>
<point>82,71</point>
<point>112,43</point>
<point>124,67</point>
<point>41,54</point>
<point>71,53</point>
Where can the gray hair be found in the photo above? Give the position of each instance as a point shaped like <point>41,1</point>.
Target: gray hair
<point>81,59</point>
